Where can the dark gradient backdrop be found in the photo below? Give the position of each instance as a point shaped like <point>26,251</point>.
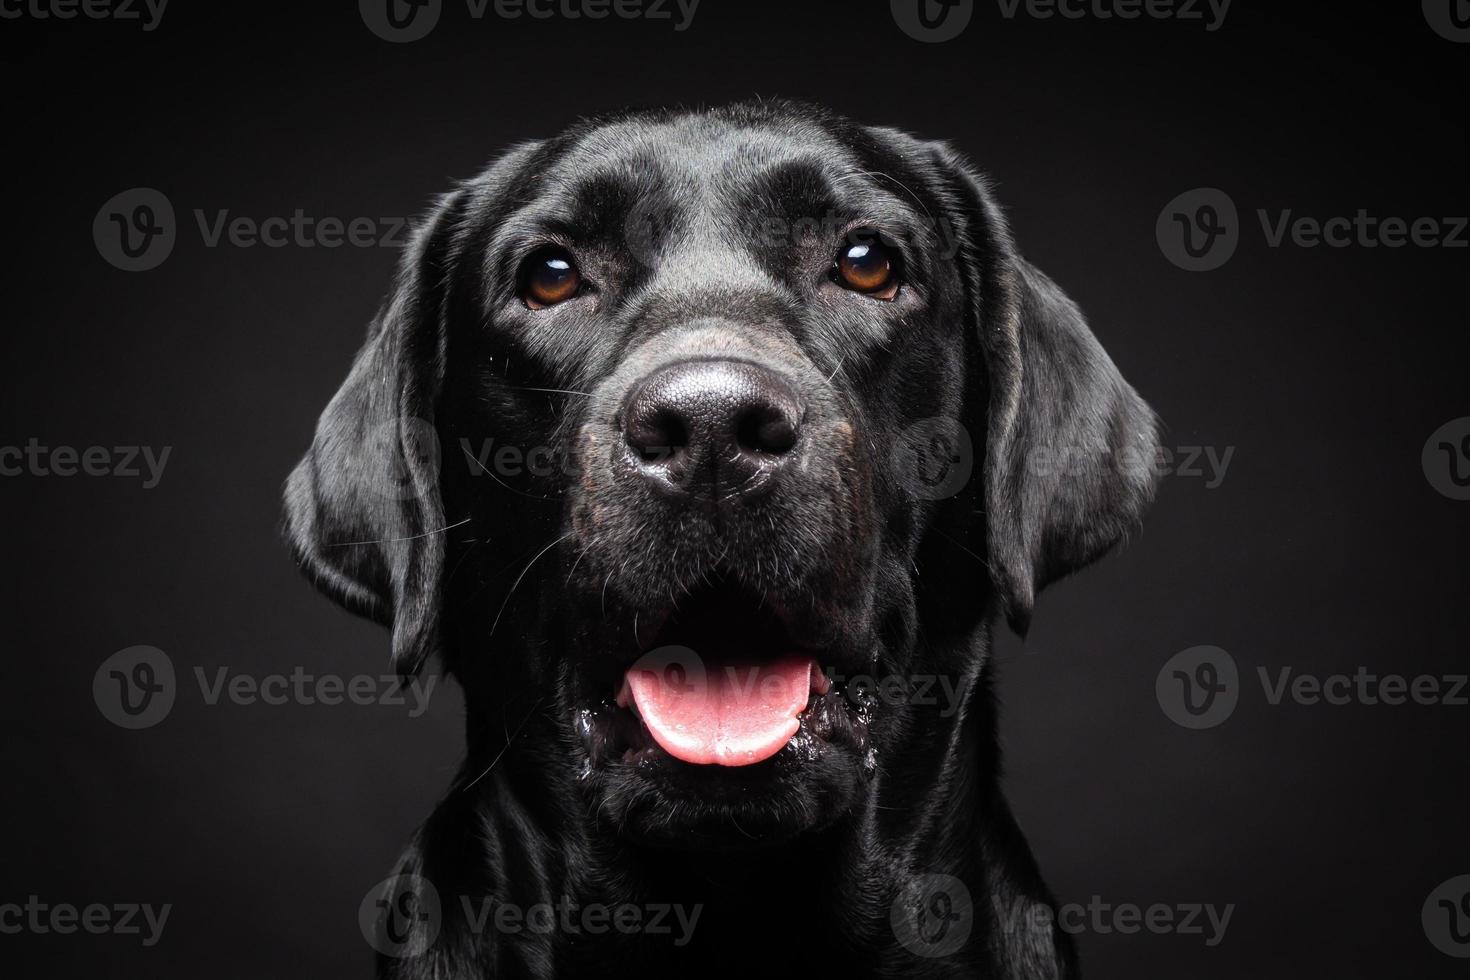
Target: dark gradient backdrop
<point>1324,548</point>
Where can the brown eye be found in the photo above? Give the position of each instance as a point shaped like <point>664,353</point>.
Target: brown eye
<point>548,277</point>
<point>867,266</point>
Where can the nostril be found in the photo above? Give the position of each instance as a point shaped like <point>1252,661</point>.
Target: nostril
<point>765,429</point>
<point>658,435</point>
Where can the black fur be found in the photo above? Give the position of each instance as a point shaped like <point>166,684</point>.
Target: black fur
<point>537,588</point>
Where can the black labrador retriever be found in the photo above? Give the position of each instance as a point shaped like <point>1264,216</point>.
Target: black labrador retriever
<point>654,443</point>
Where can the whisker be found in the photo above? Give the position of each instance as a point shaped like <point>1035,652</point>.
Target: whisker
<point>577,562</point>
<point>411,537</point>
<point>506,748</point>
<point>553,391</point>
<point>491,474</point>
<point>521,576</point>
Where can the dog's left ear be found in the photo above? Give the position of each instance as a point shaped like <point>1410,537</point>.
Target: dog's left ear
<point>363,507</point>
<point>1070,447</point>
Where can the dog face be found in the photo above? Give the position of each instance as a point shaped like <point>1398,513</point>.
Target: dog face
<point>719,346</point>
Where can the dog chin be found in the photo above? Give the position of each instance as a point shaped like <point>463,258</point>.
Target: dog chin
<point>656,800</point>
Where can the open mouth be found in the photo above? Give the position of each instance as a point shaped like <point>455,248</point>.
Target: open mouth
<point>725,712</point>
<point>724,683</point>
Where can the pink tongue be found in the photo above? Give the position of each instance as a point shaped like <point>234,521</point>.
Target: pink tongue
<point>727,714</point>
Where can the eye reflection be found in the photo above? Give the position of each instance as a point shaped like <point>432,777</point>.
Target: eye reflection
<point>866,266</point>
<point>549,277</point>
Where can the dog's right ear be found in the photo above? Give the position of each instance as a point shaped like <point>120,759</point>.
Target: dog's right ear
<point>363,507</point>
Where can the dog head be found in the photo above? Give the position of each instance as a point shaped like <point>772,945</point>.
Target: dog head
<point>676,423</point>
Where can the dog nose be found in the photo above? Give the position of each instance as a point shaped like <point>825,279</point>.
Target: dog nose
<point>718,427</point>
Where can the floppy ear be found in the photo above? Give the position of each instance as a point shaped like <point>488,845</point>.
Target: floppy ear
<point>1070,446</point>
<point>363,505</point>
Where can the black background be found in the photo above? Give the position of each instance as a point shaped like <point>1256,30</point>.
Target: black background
<point>1324,548</point>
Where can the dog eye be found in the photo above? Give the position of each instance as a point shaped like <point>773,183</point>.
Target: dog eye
<point>866,265</point>
<point>549,277</point>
